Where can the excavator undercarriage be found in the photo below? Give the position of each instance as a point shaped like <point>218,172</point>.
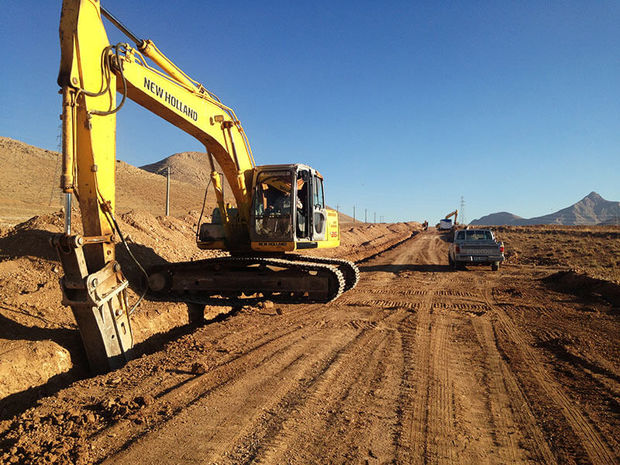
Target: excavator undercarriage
<point>290,278</point>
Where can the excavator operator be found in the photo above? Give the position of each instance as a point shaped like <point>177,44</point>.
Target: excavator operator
<point>302,206</point>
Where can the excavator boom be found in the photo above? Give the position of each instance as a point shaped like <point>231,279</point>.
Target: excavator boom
<point>454,214</point>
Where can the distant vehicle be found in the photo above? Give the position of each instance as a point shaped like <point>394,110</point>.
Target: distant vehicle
<point>475,247</point>
<point>445,224</point>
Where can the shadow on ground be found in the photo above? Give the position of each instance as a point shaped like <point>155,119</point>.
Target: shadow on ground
<point>396,269</point>
<point>19,402</point>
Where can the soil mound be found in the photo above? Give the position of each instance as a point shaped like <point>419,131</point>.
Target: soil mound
<point>583,285</point>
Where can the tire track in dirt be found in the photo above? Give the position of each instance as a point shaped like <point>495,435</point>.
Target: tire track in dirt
<point>482,432</point>
<point>332,406</point>
<point>303,346</point>
<point>441,430</point>
<point>506,396</point>
<point>593,444</point>
<point>227,410</point>
<point>176,396</point>
<point>192,389</point>
<point>426,416</point>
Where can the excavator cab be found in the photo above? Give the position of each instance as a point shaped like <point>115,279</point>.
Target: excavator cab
<point>288,208</point>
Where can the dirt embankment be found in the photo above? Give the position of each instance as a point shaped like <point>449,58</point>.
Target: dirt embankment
<point>38,337</point>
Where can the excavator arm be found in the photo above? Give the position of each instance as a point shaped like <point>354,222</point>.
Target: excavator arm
<point>454,214</point>
<point>91,73</point>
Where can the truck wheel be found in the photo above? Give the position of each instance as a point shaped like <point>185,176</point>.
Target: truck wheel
<point>495,266</point>
<point>450,262</point>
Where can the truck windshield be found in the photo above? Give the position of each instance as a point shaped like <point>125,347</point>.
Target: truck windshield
<point>474,235</point>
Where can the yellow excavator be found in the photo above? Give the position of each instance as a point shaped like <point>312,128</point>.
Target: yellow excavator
<point>454,214</point>
<point>279,208</point>
<point>446,223</point>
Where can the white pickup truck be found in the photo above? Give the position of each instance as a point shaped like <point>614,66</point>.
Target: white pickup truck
<point>475,247</point>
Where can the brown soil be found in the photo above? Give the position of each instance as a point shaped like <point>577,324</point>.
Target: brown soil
<point>594,250</point>
<point>416,365</point>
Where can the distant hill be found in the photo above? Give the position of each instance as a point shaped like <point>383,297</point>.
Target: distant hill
<point>194,168</point>
<point>190,167</point>
<point>500,218</point>
<point>592,209</point>
<point>31,178</point>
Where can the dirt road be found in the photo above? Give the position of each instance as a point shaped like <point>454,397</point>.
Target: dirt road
<point>416,365</point>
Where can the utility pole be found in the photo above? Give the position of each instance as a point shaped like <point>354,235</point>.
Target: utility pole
<point>160,171</point>
<point>463,211</point>
<point>167,191</point>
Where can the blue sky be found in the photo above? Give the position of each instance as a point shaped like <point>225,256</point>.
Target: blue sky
<point>403,106</point>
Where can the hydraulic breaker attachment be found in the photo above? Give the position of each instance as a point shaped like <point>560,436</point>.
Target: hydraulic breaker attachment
<point>99,304</point>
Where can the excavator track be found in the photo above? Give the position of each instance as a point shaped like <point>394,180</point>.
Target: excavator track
<point>279,279</point>
<point>349,270</point>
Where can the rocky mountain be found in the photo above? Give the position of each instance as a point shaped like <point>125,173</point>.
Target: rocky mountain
<point>592,209</point>
<point>500,218</point>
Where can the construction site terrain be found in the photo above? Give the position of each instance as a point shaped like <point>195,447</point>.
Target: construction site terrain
<point>417,364</point>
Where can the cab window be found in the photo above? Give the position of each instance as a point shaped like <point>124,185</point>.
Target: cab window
<point>318,197</point>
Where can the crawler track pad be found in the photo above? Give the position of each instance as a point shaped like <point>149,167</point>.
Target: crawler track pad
<point>279,279</point>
